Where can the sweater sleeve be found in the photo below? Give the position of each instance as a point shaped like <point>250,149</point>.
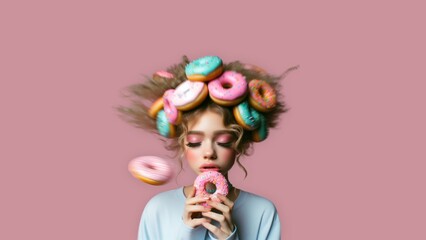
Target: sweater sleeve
<point>233,236</point>
<point>270,228</point>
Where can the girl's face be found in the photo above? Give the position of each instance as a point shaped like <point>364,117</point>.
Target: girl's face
<point>209,144</point>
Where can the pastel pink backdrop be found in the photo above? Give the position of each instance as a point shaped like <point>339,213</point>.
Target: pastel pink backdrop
<point>345,163</point>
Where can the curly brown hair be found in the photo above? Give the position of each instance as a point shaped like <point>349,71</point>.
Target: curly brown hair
<point>142,95</point>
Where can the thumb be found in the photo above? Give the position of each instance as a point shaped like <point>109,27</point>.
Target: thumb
<point>191,192</point>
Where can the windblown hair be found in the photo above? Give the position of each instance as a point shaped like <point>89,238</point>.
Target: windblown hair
<point>142,96</point>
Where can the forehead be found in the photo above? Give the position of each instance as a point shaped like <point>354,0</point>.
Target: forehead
<point>207,122</point>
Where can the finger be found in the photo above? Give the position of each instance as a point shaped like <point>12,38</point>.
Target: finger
<point>225,210</point>
<point>220,206</point>
<point>218,233</point>
<point>221,219</point>
<point>196,200</point>
<point>193,211</point>
<point>226,201</point>
<point>215,216</point>
<point>198,221</point>
<point>191,193</point>
<point>197,208</point>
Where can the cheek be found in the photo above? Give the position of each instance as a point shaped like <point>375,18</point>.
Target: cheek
<point>228,155</point>
<point>190,155</point>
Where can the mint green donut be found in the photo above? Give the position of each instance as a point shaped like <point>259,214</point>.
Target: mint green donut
<point>203,66</point>
<point>163,126</point>
<point>260,133</point>
<point>249,116</point>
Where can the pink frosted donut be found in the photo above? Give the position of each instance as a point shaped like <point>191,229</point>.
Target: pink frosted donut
<point>229,89</point>
<point>173,115</point>
<point>189,94</point>
<point>211,177</point>
<point>150,169</point>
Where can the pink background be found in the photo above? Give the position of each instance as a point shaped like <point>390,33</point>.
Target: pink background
<point>345,163</point>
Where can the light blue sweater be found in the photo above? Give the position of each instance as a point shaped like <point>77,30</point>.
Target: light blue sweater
<point>255,218</point>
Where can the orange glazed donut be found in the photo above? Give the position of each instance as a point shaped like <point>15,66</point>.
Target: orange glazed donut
<point>155,108</point>
<point>262,96</point>
<point>150,169</point>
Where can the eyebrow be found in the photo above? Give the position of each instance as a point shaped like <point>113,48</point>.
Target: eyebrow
<point>214,133</point>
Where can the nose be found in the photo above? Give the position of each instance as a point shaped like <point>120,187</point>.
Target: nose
<point>209,152</point>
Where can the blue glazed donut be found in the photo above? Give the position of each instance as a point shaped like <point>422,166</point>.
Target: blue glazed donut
<point>261,133</point>
<point>246,116</point>
<point>204,69</point>
<point>163,126</point>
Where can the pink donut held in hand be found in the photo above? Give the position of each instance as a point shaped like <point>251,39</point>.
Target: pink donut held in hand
<point>215,178</point>
<point>262,96</point>
<point>173,115</point>
<point>189,94</point>
<point>229,89</point>
<point>151,169</point>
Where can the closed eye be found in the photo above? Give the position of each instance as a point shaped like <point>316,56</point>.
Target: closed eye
<point>193,145</point>
<point>225,144</point>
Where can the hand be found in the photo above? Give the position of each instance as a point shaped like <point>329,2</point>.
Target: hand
<point>192,211</point>
<point>223,218</point>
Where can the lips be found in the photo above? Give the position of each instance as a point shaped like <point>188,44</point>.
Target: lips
<point>209,167</point>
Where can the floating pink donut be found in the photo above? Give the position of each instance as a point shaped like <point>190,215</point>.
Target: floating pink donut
<point>229,89</point>
<point>189,94</point>
<point>255,68</point>
<point>163,74</point>
<point>150,169</point>
<point>173,115</point>
<point>211,177</point>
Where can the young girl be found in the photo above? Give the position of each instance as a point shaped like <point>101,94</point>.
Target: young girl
<point>211,136</point>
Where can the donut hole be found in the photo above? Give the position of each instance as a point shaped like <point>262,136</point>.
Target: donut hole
<point>261,92</point>
<point>227,85</point>
<point>150,166</point>
<point>210,187</point>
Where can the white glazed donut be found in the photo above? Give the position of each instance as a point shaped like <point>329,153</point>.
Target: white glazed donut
<point>189,95</point>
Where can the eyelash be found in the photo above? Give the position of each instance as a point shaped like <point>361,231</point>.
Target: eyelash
<point>225,145</point>
<point>194,145</point>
